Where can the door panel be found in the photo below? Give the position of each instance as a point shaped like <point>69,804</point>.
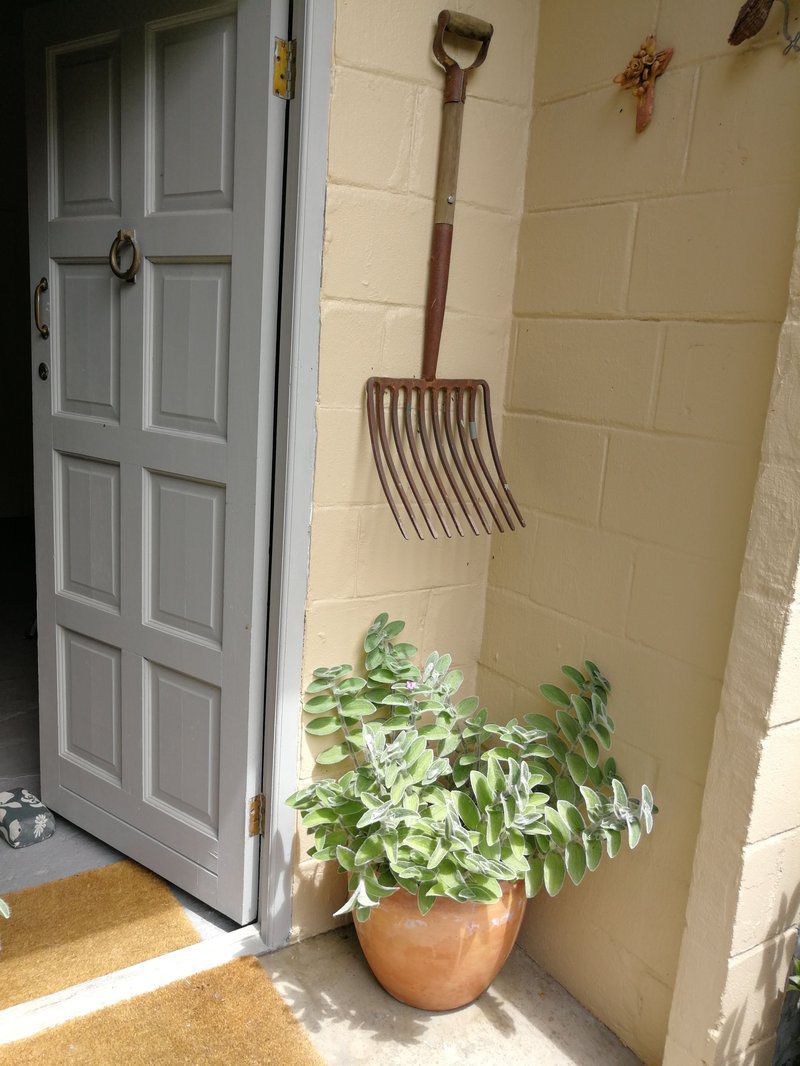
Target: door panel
<point>86,342</point>
<point>84,86</point>
<point>92,705</point>
<point>88,542</point>
<point>184,549</point>
<point>150,497</point>
<point>182,747</point>
<point>194,76</point>
<point>189,347</point>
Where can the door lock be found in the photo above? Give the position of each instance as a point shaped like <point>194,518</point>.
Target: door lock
<point>44,371</point>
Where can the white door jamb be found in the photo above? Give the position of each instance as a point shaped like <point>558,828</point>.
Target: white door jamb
<point>295,444</point>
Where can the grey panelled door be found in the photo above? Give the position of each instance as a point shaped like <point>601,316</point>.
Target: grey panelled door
<point>152,427</point>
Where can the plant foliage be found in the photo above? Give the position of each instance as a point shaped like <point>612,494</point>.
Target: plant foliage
<point>441,801</point>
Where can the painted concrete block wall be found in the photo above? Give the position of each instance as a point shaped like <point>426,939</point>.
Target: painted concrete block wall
<point>651,285</point>
<point>745,898</point>
<point>383,147</point>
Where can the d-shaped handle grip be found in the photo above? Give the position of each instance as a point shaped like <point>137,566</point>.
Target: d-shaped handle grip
<point>124,237</point>
<point>468,26</point>
<point>460,25</point>
<point>42,327</point>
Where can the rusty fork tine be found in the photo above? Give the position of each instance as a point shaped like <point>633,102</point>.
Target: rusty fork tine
<point>426,447</point>
<point>475,436</point>
<point>373,420</point>
<point>387,452</point>
<point>437,436</point>
<point>401,454</point>
<point>412,444</point>
<point>448,429</point>
<point>460,397</point>
<point>487,407</point>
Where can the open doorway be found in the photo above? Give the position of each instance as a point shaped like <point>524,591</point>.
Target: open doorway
<point>71,850</point>
<point>135,706</point>
<point>19,753</point>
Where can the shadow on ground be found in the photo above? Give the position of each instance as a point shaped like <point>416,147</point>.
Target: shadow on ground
<point>524,1017</point>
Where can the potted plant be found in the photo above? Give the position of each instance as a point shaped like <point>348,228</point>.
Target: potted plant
<point>444,822</point>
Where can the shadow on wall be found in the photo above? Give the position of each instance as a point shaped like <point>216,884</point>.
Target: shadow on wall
<point>772,1010</point>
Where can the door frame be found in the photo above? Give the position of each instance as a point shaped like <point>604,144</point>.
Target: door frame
<point>283,571</point>
<point>295,447</point>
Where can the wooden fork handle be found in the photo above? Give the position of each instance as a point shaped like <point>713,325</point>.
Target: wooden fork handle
<point>455,91</point>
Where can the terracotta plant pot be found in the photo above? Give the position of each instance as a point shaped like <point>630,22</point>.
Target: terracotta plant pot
<point>446,958</point>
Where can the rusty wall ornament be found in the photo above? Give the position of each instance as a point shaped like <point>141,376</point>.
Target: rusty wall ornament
<point>752,18</point>
<point>640,77</point>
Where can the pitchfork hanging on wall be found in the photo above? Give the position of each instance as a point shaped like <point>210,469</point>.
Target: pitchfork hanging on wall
<point>429,434</point>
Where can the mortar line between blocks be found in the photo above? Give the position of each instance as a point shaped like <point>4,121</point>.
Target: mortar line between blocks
<point>518,597</point>
<point>713,559</point>
<point>676,65</point>
<point>514,215</point>
<point>602,486</point>
<point>412,142</point>
<point>631,253</point>
<point>420,82</point>
<point>661,344</point>
<point>649,432</point>
<point>714,319</point>
<point>359,516</point>
<point>764,943</point>
<point>629,596</point>
<point>626,639</point>
<point>690,127</point>
<point>645,197</point>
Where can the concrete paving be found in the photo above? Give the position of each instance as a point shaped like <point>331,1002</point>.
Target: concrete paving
<point>524,1019</point>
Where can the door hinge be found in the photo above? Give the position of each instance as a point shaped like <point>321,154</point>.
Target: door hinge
<point>256,818</point>
<point>283,68</point>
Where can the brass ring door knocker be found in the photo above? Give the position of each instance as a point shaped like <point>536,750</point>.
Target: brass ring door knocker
<point>42,327</point>
<point>123,238</point>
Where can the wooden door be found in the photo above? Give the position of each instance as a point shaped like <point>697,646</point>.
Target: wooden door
<point>153,423</point>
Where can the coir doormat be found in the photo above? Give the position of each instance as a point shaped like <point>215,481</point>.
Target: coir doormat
<point>230,1016</point>
<point>94,923</point>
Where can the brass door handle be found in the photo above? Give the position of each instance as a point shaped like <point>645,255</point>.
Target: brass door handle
<point>124,237</point>
<point>43,328</point>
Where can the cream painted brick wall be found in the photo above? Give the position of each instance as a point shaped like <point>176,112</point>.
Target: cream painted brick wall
<point>382,156</point>
<point>565,366</point>
<point>715,255</point>
<point>697,356</point>
<point>555,466</point>
<point>564,68</point>
<point>633,287</point>
<point>651,283</point>
<point>770,889</point>
<point>776,805</point>
<point>741,931</point>
<point>575,260</point>
<point>690,495</point>
<point>579,148</point>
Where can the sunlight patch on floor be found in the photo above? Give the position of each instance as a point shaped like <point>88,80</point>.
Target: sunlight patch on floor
<point>524,1017</point>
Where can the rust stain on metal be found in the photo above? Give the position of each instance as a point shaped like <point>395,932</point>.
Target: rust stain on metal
<point>433,439</point>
